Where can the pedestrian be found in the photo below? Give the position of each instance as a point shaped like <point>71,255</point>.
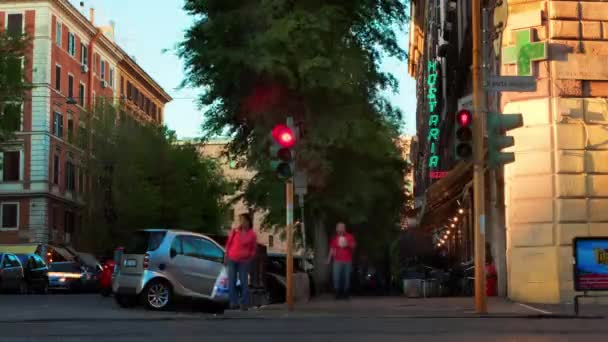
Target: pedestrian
<point>342,246</point>
<point>240,248</point>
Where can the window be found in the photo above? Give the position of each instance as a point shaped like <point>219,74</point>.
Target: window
<point>129,91</point>
<point>122,86</point>
<point>10,215</point>
<point>81,95</point>
<point>56,168</point>
<point>58,33</point>
<point>11,166</point>
<point>70,86</point>
<point>69,222</point>
<point>191,246</point>
<point>103,70</point>
<point>71,44</point>
<point>82,137</point>
<point>270,241</point>
<point>111,80</point>
<point>84,54</point>
<point>81,180</point>
<point>58,125</point>
<point>210,251</point>
<point>14,25</point>
<point>58,78</point>
<point>70,129</point>
<point>95,62</point>
<point>70,176</point>
<point>12,116</point>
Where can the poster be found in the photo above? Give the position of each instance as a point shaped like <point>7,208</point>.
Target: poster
<point>591,264</point>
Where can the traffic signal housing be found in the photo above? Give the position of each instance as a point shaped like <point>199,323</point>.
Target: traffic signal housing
<point>463,147</point>
<point>498,124</point>
<point>281,151</point>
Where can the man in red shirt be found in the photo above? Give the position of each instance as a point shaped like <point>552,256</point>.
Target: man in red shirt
<point>342,246</point>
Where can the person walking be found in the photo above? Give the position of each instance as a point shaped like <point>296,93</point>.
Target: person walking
<point>342,246</point>
<point>240,253</point>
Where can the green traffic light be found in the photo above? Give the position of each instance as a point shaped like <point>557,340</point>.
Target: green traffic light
<point>498,124</point>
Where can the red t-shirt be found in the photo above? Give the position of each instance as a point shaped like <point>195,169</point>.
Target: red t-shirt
<point>343,254</point>
<point>241,245</point>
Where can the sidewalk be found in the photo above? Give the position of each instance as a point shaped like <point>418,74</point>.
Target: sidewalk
<point>444,307</point>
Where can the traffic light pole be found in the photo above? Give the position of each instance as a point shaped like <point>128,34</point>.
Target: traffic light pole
<point>289,275</point>
<point>478,157</point>
<point>289,214</point>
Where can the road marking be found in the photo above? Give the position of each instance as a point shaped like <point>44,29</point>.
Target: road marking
<point>535,309</point>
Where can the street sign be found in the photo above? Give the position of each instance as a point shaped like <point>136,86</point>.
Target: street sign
<point>511,83</point>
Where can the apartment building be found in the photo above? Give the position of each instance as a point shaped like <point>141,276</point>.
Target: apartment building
<point>72,63</point>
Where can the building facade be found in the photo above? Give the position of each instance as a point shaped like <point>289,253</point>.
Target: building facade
<point>557,188</point>
<point>71,62</point>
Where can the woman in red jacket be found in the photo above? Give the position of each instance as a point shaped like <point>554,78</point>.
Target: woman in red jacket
<point>240,252</point>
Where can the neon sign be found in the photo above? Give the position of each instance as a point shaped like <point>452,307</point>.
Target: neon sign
<point>431,96</point>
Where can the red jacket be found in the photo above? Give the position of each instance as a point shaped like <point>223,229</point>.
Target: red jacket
<point>241,244</point>
<point>343,254</point>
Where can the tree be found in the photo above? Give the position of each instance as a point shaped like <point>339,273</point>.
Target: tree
<point>318,61</point>
<point>13,85</point>
<point>142,177</point>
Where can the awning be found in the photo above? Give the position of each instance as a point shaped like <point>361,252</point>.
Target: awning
<point>19,249</point>
<point>442,195</point>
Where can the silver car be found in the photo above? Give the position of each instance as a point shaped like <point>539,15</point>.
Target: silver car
<point>159,265</point>
<point>12,278</point>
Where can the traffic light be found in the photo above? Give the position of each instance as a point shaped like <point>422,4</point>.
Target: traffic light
<point>281,152</point>
<point>498,124</point>
<point>463,147</point>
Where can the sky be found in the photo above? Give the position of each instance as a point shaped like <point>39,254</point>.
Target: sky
<point>146,28</point>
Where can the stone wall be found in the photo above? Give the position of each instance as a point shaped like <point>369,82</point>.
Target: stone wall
<point>558,187</point>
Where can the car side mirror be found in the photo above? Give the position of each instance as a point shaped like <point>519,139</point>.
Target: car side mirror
<point>172,253</point>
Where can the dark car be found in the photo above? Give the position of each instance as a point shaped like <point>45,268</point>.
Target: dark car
<point>35,272</point>
<point>72,276</point>
<point>11,274</point>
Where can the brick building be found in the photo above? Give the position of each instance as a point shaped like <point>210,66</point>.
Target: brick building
<point>71,63</point>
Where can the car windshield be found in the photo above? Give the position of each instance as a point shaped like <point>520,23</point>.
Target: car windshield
<point>143,241</point>
<point>23,258</point>
<point>64,267</point>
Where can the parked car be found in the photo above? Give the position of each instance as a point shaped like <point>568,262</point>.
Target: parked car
<point>72,276</point>
<point>159,266</point>
<point>12,278</point>
<point>105,277</point>
<point>35,272</point>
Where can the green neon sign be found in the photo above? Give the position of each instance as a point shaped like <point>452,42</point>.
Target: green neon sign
<point>433,136</point>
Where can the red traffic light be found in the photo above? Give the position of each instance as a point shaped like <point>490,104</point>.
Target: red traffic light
<point>464,118</point>
<point>284,136</point>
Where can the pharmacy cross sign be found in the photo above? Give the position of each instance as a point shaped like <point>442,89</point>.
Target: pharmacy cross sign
<point>524,52</point>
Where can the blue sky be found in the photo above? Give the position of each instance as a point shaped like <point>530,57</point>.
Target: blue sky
<point>144,28</point>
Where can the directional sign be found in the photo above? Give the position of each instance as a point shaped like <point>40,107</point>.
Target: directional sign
<point>511,83</point>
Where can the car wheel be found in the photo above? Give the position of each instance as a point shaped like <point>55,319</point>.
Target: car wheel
<point>158,295</point>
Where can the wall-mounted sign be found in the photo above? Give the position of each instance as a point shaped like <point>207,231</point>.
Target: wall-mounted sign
<point>590,264</point>
<point>438,174</point>
<point>524,52</point>
<point>434,117</point>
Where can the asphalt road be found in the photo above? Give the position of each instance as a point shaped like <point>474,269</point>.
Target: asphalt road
<point>92,318</point>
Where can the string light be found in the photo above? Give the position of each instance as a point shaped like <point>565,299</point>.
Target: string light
<point>461,211</point>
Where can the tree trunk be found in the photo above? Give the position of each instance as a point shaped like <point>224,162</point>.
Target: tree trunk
<point>321,251</point>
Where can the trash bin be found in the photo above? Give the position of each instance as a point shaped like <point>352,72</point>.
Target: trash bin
<point>412,288</point>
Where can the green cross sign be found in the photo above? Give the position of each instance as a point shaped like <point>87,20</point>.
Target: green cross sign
<point>524,52</point>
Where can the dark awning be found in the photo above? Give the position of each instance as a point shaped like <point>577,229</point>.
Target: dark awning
<point>442,196</point>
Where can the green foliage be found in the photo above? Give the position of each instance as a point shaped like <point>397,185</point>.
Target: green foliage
<point>143,178</point>
<point>260,61</point>
<point>12,83</point>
